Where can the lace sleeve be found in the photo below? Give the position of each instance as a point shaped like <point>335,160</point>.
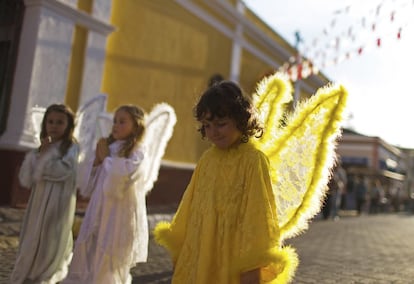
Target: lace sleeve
<point>121,173</point>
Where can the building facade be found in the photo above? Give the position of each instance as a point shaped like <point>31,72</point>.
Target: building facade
<point>373,159</point>
<point>133,51</point>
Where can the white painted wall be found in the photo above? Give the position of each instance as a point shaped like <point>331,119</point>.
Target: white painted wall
<point>43,62</point>
<point>95,53</point>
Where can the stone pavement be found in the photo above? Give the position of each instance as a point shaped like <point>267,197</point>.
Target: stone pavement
<point>360,250</point>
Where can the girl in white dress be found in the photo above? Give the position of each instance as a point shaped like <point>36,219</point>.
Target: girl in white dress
<point>114,233</point>
<point>46,241</point>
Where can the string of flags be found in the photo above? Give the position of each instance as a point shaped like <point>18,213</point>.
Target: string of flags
<point>351,32</point>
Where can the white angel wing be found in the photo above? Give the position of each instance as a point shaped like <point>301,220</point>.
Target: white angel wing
<point>86,134</point>
<point>105,122</point>
<point>37,114</point>
<point>159,128</point>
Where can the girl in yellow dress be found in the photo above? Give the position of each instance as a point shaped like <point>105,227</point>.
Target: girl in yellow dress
<point>226,227</point>
<point>254,188</point>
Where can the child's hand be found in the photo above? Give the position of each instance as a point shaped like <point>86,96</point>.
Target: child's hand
<point>102,151</point>
<point>103,148</point>
<point>45,144</point>
<point>250,277</point>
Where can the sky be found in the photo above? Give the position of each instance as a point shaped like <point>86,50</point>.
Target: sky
<point>379,78</point>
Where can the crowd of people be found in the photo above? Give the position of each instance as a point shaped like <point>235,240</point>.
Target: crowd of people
<point>362,194</point>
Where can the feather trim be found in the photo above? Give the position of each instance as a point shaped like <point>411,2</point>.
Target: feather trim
<point>291,262</point>
<point>327,107</point>
<point>163,236</point>
<point>272,96</point>
<point>278,265</point>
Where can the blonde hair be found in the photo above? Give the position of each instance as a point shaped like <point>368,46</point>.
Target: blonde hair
<point>138,117</point>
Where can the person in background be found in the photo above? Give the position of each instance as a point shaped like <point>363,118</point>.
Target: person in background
<point>360,194</point>
<point>375,196</point>
<point>330,198</point>
<point>342,181</point>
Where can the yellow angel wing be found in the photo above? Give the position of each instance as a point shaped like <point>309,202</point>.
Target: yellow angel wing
<point>302,156</point>
<point>272,95</point>
<point>302,152</point>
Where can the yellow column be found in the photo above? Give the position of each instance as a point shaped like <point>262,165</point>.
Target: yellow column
<point>75,74</point>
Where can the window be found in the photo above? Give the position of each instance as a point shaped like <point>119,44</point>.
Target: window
<point>11,18</point>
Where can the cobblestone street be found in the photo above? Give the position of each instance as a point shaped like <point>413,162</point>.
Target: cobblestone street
<point>366,249</point>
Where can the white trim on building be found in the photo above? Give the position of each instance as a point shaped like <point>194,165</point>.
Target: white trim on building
<point>42,66</point>
<point>244,27</point>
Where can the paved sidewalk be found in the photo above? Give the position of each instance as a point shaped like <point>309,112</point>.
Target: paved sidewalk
<point>367,249</point>
<point>158,269</point>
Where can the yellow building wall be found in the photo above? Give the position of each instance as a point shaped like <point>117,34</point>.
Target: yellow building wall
<point>252,71</point>
<point>159,52</point>
<point>77,60</point>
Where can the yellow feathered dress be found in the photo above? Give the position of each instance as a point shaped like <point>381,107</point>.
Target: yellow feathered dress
<point>226,223</point>
<point>242,204</point>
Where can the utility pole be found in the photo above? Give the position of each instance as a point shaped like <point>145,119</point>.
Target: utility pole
<point>237,48</point>
<point>298,40</point>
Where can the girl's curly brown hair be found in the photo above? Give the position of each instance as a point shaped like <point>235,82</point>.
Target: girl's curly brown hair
<point>138,117</point>
<point>226,99</point>
<point>68,138</point>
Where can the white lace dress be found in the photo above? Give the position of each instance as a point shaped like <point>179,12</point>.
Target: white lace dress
<point>114,233</point>
<point>46,240</point>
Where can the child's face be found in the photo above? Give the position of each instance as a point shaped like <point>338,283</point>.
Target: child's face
<point>123,125</point>
<point>222,132</point>
<point>56,124</point>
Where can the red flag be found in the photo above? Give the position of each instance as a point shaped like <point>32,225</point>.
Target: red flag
<point>299,71</point>
<point>378,42</point>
